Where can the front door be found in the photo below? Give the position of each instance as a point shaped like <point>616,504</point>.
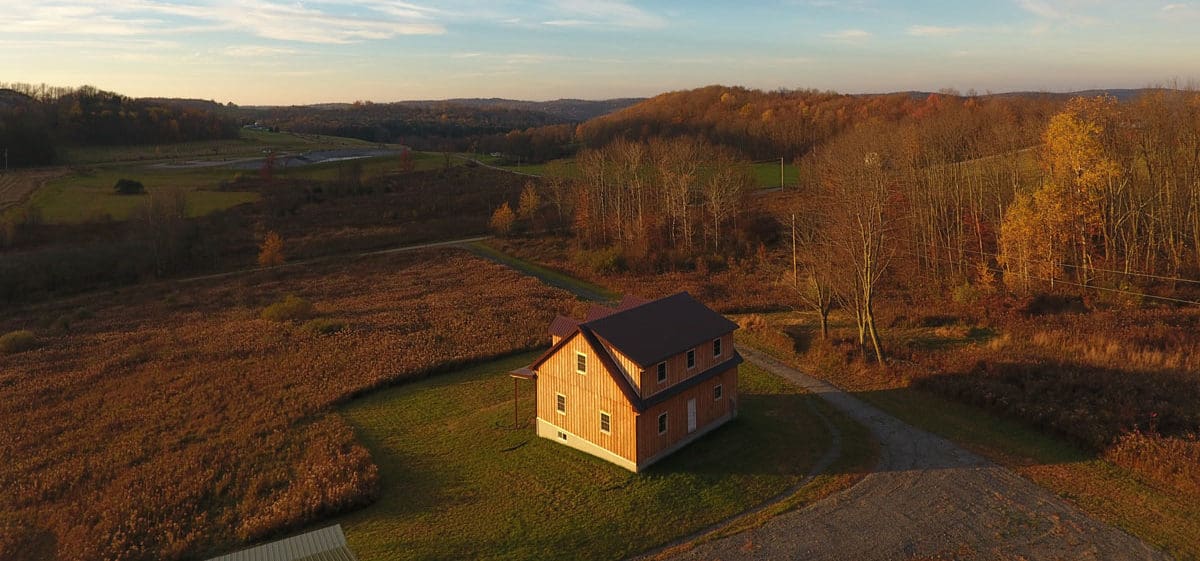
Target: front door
<point>691,415</point>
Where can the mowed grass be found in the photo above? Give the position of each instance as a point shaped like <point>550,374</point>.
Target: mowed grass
<point>89,196</point>
<point>250,143</point>
<point>766,175</point>
<point>458,483</point>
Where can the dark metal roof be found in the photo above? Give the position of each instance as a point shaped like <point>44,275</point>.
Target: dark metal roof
<point>523,372</point>
<point>563,326</point>
<point>653,331</point>
<point>326,544</point>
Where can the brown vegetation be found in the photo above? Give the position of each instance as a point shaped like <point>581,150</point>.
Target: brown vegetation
<point>170,420</point>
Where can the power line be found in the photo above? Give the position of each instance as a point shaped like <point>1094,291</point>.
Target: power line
<point>1069,265</point>
<point>1066,282</point>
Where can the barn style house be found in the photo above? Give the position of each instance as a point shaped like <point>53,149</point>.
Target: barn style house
<point>634,383</point>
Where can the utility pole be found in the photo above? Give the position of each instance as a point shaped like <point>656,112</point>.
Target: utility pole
<point>795,275</point>
<point>781,173</point>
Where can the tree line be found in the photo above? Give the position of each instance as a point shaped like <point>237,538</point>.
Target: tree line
<point>36,120</point>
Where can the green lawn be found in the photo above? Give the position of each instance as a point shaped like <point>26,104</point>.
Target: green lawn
<point>766,175</point>
<point>458,483</point>
<point>248,144</point>
<point>88,196</point>
<point>580,288</point>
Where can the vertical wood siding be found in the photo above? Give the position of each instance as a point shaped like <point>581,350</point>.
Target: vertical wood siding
<point>677,370</point>
<point>587,395</point>
<point>708,410</point>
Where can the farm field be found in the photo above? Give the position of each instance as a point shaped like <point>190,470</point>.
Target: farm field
<point>251,143</point>
<point>17,186</point>
<point>766,174</point>
<point>171,420</point>
<point>457,482</point>
<point>86,194</point>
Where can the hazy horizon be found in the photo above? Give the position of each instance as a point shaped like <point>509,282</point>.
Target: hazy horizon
<point>270,52</point>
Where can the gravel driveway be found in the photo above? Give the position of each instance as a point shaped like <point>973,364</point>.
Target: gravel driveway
<point>928,499</point>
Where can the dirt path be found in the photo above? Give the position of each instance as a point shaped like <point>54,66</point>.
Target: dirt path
<point>16,186</point>
<point>927,499</point>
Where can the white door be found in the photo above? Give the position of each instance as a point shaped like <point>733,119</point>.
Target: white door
<point>691,415</point>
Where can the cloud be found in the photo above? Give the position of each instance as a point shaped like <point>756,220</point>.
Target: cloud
<point>331,21</point>
<point>849,35</point>
<point>1072,12</point>
<point>606,13</point>
<point>934,31</point>
<point>256,51</point>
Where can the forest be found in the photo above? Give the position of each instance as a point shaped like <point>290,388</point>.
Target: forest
<point>35,121</point>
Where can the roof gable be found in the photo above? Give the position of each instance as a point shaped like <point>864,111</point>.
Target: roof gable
<point>653,331</point>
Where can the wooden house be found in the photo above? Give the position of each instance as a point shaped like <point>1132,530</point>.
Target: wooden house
<point>635,383</point>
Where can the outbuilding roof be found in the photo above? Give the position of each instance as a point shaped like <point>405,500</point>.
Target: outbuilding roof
<point>655,330</point>
<point>326,544</point>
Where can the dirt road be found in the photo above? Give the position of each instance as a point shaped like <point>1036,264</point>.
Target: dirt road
<point>928,499</point>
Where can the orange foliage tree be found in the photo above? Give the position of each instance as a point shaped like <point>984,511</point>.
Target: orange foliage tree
<point>270,253</point>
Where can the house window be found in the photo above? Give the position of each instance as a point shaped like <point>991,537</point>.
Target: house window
<point>605,423</point>
<point>718,392</point>
<point>662,372</point>
<point>562,435</point>
<point>560,403</point>
<point>581,363</point>
<point>662,424</point>
<point>692,358</point>
<point>716,347</point>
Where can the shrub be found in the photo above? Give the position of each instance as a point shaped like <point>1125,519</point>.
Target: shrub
<point>602,261</point>
<point>291,308</point>
<point>129,187</point>
<point>17,341</point>
<point>322,326</point>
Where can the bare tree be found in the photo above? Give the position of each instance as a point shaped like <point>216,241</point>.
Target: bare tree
<point>860,174</point>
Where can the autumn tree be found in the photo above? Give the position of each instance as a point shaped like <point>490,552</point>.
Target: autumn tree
<point>529,204</point>
<point>270,253</point>
<point>860,175</point>
<point>503,219</point>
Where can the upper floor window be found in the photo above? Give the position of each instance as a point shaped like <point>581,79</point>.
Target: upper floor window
<point>581,363</point>
<point>560,403</point>
<point>605,423</point>
<point>716,347</point>
<point>691,358</point>
<point>662,372</point>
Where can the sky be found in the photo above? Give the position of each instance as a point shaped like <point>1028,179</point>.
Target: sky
<point>294,52</point>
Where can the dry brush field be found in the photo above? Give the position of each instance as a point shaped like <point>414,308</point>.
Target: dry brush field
<point>171,420</point>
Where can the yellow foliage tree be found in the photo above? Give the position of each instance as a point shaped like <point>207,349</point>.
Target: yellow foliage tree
<point>270,253</point>
<point>1079,170</point>
<point>503,219</point>
<point>530,202</point>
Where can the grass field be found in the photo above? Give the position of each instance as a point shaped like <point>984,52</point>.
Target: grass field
<point>83,197</point>
<point>87,195</point>
<point>250,143</point>
<point>766,175</point>
<point>171,420</point>
<point>458,483</point>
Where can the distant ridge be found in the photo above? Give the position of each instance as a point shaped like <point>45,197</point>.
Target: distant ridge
<point>1122,94</point>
